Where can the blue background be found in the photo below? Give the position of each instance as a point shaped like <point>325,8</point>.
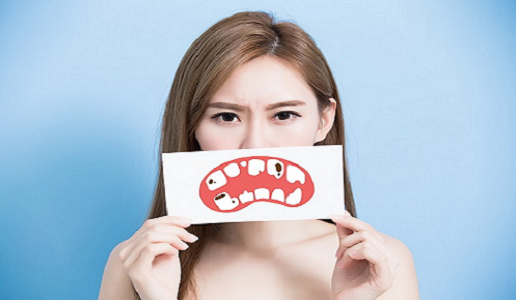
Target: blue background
<point>428,92</point>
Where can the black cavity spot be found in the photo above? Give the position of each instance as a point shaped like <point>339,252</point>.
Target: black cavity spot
<point>220,196</point>
<point>211,181</point>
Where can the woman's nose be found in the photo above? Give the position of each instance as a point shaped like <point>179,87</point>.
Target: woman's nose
<point>255,136</point>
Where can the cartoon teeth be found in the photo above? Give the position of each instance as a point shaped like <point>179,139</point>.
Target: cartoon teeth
<point>278,195</point>
<point>294,198</point>
<point>256,166</point>
<point>225,202</point>
<point>232,170</point>
<point>216,180</point>
<point>229,187</point>
<point>275,168</point>
<point>246,197</point>
<point>294,174</point>
<point>261,193</point>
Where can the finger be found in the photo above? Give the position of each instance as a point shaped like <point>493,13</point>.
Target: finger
<point>144,263</point>
<point>367,251</point>
<point>343,231</point>
<point>361,236</point>
<point>153,238</point>
<point>178,221</point>
<point>155,227</point>
<point>349,241</point>
<point>344,260</point>
<point>352,223</point>
<point>350,254</point>
<point>173,230</point>
<point>170,220</point>
<point>173,241</point>
<point>378,261</point>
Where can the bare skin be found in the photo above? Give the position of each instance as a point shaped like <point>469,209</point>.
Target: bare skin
<point>294,261</point>
<point>290,269</point>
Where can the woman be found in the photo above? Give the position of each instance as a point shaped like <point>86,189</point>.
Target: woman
<point>248,82</point>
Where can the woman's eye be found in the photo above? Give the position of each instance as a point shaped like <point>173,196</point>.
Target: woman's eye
<point>283,116</point>
<point>224,117</point>
<point>286,115</point>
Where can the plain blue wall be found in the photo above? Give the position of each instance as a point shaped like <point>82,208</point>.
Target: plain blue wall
<point>429,102</point>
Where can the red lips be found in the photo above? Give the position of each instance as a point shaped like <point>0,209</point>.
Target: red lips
<point>236,184</point>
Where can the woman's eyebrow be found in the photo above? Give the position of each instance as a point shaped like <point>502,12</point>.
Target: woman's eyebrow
<point>225,105</point>
<point>285,103</point>
<point>236,107</point>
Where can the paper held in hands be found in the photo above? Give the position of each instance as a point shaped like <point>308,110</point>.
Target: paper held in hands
<point>261,184</point>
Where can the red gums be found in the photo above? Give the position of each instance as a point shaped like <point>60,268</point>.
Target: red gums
<point>235,186</point>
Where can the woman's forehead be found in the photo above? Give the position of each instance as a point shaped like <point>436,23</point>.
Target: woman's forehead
<point>265,80</point>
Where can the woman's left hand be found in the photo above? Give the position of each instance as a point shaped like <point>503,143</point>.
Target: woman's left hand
<point>366,265</point>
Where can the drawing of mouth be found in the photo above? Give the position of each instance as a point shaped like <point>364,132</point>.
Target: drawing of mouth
<point>238,183</point>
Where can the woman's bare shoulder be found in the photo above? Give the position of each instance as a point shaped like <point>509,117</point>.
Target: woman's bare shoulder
<point>404,253</point>
<point>116,284</point>
<point>405,284</point>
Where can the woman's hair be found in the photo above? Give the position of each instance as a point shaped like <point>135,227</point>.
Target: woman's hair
<point>206,65</point>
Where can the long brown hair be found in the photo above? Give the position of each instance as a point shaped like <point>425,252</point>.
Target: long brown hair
<point>206,65</point>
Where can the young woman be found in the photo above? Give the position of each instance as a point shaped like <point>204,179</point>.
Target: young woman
<point>249,82</point>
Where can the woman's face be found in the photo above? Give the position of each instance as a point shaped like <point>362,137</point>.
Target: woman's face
<point>265,103</point>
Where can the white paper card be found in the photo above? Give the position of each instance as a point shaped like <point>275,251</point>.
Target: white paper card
<point>261,184</point>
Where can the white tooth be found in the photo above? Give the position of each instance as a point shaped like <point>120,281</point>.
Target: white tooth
<point>226,202</point>
<point>261,193</point>
<point>232,170</point>
<point>255,167</point>
<point>294,174</point>
<point>246,197</point>
<point>243,163</point>
<point>294,198</point>
<point>271,168</point>
<point>216,180</point>
<point>278,195</point>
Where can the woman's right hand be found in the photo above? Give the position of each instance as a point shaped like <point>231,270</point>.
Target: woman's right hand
<point>151,256</point>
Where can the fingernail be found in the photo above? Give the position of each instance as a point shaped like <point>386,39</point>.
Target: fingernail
<point>195,238</point>
<point>340,264</point>
<point>354,254</point>
<point>347,213</point>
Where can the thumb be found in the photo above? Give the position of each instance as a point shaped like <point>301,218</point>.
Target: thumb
<point>341,230</point>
